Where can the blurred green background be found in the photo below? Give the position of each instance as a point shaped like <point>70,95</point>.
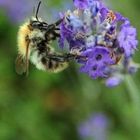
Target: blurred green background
<point>46,106</point>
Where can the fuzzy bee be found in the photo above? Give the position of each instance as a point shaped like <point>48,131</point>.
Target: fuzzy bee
<point>34,45</point>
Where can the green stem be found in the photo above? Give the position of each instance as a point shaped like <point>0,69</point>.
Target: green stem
<point>133,91</point>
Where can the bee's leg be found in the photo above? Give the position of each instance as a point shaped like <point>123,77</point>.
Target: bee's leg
<point>53,35</point>
<point>58,22</point>
<point>50,28</point>
<point>53,26</point>
<point>61,58</point>
<point>69,56</point>
<point>57,29</point>
<point>56,35</point>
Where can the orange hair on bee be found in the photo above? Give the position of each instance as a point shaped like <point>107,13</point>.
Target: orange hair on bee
<point>22,41</point>
<point>23,44</point>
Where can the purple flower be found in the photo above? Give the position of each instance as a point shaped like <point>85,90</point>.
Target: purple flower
<point>114,81</point>
<point>96,6</point>
<point>90,41</point>
<point>81,4</point>
<point>95,127</point>
<point>98,54</point>
<point>101,38</point>
<point>71,30</point>
<point>104,11</point>
<point>84,4</point>
<point>65,33</point>
<point>127,39</point>
<point>98,59</point>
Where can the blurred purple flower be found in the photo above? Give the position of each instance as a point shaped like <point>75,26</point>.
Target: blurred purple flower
<point>114,81</point>
<point>130,66</point>
<point>95,127</point>
<point>17,10</point>
<point>84,4</point>
<point>81,4</point>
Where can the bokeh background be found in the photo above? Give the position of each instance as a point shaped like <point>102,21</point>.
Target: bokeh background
<point>68,105</point>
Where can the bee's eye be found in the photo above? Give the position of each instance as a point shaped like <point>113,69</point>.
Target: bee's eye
<point>39,25</point>
<point>35,24</point>
<point>44,24</point>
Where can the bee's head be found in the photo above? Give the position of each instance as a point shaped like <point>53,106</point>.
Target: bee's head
<point>36,22</point>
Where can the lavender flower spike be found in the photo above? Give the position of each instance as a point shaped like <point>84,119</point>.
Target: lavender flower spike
<point>104,46</point>
<point>127,39</point>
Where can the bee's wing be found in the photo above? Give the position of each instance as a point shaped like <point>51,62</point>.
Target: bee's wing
<point>20,64</point>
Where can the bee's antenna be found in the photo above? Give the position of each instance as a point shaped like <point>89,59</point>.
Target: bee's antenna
<point>36,15</point>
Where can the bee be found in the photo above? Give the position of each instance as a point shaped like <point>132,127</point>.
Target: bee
<point>34,45</point>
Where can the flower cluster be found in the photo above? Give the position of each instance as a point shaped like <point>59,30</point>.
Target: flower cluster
<point>104,41</point>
